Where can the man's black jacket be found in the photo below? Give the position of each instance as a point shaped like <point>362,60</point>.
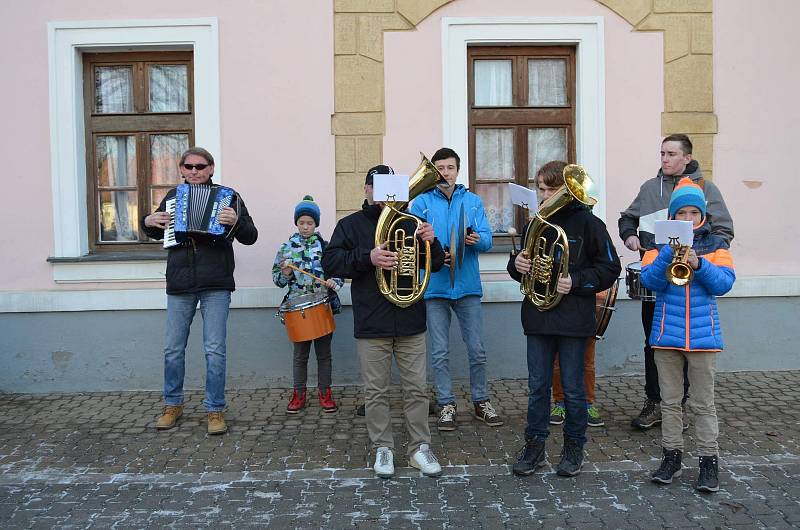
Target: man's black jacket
<point>347,256</point>
<point>204,263</point>
<point>593,266</point>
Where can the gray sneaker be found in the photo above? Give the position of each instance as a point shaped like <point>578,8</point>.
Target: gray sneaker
<point>485,412</point>
<point>447,418</point>
<point>424,460</point>
<point>595,420</point>
<point>650,416</point>
<point>558,414</point>
<point>384,463</point>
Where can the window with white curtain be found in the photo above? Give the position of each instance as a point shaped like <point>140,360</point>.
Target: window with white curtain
<point>138,122</point>
<point>521,115</point>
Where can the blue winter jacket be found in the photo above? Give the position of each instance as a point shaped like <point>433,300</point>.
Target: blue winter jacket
<point>443,214</point>
<point>686,317</point>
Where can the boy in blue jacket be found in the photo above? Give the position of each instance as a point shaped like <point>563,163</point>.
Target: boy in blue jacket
<point>686,326</point>
<point>442,207</point>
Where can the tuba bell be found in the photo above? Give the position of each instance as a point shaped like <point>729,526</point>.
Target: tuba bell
<point>679,272</point>
<point>403,285</point>
<point>550,257</point>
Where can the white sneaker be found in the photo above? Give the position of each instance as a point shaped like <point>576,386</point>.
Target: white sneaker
<point>424,460</point>
<point>384,463</point>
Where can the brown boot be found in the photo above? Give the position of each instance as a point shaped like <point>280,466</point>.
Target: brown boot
<point>216,423</point>
<point>169,417</point>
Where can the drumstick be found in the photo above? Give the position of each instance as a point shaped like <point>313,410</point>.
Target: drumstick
<point>298,269</point>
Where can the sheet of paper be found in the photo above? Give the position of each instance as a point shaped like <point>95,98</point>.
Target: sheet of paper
<point>666,230</point>
<point>525,197</point>
<point>390,187</point>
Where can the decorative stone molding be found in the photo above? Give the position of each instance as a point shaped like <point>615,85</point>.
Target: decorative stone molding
<point>359,117</point>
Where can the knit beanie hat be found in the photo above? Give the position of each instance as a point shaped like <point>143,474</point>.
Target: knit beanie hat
<point>687,193</point>
<point>377,170</point>
<point>307,207</point>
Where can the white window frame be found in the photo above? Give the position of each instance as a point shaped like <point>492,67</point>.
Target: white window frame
<point>67,41</point>
<point>585,32</point>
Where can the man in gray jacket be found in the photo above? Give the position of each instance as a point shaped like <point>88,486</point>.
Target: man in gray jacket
<point>637,230</point>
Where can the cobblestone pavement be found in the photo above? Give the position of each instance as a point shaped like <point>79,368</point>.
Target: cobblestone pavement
<point>95,460</point>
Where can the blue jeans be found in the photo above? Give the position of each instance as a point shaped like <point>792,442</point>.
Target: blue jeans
<point>214,306</point>
<point>542,350</point>
<point>468,312</point>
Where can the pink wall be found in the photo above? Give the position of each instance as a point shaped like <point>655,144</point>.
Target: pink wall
<point>634,92</point>
<point>755,91</point>
<point>276,101</point>
<point>276,89</point>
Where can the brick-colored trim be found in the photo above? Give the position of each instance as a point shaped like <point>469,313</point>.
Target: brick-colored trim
<point>359,119</point>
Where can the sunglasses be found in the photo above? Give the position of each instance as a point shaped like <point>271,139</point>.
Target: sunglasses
<point>198,167</point>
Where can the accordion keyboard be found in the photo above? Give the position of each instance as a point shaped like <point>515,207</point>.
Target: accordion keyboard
<point>169,232</point>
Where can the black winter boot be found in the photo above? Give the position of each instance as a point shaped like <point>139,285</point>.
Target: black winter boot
<point>571,458</point>
<point>708,479</point>
<point>530,457</point>
<point>670,467</point>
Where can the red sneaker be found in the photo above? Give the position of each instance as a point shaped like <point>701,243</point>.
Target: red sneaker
<point>297,402</point>
<point>326,401</point>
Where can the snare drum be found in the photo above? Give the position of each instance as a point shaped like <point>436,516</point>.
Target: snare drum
<point>636,290</point>
<point>605,302</point>
<point>307,317</point>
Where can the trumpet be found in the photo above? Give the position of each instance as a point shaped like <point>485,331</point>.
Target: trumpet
<point>679,272</point>
<point>403,285</point>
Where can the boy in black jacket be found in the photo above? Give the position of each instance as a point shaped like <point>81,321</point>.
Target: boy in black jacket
<point>382,330</point>
<point>199,270</point>
<point>565,328</point>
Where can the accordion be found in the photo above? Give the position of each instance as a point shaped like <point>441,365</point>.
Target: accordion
<point>195,210</point>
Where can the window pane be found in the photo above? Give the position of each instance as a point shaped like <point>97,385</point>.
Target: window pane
<point>113,89</point>
<point>492,83</point>
<point>156,196</point>
<point>547,82</point>
<point>497,204</point>
<point>165,153</point>
<point>545,145</point>
<point>494,154</point>
<point>118,214</point>
<point>169,88</point>
<point>116,160</point>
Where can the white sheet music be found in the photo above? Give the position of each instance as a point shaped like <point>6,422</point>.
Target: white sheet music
<point>666,230</point>
<point>525,197</point>
<point>390,187</point>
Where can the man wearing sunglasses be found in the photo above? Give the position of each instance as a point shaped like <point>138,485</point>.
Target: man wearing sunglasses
<point>199,270</point>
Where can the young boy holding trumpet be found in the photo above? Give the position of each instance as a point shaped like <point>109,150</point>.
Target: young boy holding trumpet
<point>686,327</point>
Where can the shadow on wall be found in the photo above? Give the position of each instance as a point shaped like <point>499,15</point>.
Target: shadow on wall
<point>122,350</point>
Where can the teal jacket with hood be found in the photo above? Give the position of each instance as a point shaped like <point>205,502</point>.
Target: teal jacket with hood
<point>443,214</point>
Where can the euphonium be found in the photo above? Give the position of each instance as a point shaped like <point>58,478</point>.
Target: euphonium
<point>679,272</point>
<point>539,284</point>
<point>402,285</point>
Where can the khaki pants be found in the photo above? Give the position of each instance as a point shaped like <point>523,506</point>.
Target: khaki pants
<point>702,368</point>
<point>376,364</point>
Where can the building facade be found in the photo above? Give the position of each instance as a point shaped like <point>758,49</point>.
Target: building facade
<point>297,98</point>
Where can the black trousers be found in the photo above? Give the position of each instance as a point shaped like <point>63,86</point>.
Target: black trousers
<point>322,348</point>
<point>651,388</point>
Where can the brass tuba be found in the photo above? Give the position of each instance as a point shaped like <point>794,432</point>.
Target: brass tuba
<point>403,286</point>
<point>539,284</point>
<point>679,272</point>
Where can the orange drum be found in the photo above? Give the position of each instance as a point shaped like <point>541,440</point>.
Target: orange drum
<point>307,317</point>
<point>604,308</point>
